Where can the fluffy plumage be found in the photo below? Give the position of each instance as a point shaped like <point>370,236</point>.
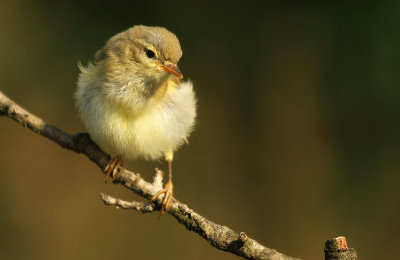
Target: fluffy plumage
<point>128,101</point>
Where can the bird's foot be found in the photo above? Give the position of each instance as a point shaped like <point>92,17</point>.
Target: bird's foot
<point>166,202</point>
<point>112,167</point>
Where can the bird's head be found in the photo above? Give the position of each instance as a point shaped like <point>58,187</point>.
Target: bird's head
<point>157,51</point>
<point>136,62</point>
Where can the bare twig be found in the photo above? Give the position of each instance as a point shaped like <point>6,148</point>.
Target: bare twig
<point>139,206</point>
<point>219,236</point>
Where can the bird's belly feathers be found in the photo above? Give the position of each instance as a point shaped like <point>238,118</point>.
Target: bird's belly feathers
<point>159,130</point>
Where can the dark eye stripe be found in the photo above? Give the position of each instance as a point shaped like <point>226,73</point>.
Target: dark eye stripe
<point>150,54</point>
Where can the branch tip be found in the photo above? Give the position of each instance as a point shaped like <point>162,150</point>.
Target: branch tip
<point>337,249</point>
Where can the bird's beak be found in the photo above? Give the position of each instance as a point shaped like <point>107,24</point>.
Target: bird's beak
<point>172,69</point>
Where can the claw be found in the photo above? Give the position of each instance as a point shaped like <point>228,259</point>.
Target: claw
<point>112,167</point>
<point>166,201</point>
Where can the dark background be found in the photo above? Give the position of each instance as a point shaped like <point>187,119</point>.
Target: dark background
<point>297,138</point>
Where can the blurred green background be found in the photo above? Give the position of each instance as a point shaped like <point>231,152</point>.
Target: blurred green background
<point>297,137</point>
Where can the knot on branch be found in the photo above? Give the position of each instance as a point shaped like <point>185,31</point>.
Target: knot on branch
<point>238,243</point>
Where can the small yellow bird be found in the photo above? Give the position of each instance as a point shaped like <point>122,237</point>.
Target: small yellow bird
<point>132,102</point>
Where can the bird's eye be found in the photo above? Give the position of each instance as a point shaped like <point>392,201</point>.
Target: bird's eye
<point>150,54</point>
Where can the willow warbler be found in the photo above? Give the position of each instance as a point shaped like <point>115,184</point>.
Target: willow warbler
<point>132,102</point>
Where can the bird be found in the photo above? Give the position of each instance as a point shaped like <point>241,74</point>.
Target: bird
<point>132,101</point>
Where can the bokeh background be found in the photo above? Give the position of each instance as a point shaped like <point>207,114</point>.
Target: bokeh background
<point>297,137</point>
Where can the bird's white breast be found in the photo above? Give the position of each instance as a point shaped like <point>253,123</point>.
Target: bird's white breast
<point>158,130</point>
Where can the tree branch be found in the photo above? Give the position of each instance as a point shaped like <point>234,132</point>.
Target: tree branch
<point>221,237</point>
<point>139,206</point>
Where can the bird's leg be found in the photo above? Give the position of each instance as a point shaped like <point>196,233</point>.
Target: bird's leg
<point>168,189</point>
<point>112,167</point>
